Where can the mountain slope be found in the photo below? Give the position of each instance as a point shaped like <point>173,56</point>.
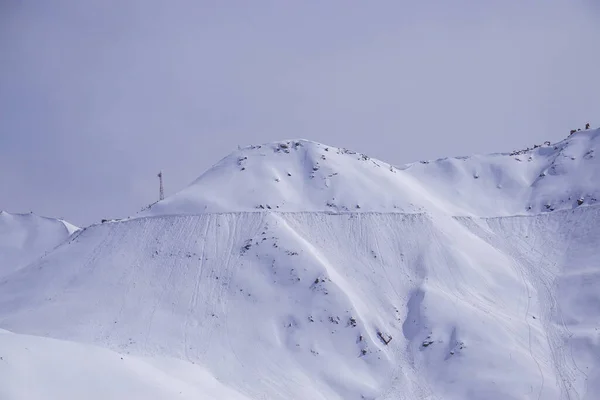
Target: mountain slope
<point>296,270</point>
<point>545,178</point>
<point>26,237</point>
<point>275,304</point>
<point>40,368</point>
<point>297,175</point>
<point>300,175</point>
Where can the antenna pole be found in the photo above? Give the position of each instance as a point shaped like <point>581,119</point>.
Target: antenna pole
<point>161,189</point>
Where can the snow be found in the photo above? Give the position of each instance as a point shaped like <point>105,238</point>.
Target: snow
<point>26,237</point>
<point>300,176</point>
<point>437,278</point>
<point>28,370</point>
<point>296,175</point>
<point>527,182</point>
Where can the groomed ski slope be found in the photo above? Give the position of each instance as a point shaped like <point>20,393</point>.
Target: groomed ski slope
<point>267,302</point>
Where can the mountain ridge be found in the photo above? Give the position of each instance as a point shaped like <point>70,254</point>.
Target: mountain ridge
<point>303,175</point>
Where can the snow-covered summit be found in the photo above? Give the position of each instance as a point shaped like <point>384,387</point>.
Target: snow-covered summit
<point>293,176</point>
<point>305,176</point>
<point>25,237</point>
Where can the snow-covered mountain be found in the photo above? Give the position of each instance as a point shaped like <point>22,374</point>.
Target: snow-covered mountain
<point>26,237</point>
<point>296,270</point>
<point>300,175</point>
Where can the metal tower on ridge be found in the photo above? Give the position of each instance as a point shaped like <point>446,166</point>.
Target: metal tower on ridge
<point>161,190</point>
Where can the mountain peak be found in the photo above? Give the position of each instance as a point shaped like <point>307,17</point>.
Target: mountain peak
<point>295,176</point>
<point>300,175</point>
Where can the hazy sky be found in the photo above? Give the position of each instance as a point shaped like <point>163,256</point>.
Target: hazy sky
<point>97,96</point>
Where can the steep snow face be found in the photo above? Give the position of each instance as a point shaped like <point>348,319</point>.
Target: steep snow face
<point>299,175</point>
<point>343,306</point>
<point>26,237</point>
<point>36,368</point>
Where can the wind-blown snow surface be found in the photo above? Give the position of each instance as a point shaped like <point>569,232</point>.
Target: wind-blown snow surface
<point>449,297</point>
<point>25,237</point>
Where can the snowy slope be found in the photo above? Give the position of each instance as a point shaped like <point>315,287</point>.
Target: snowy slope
<point>545,178</point>
<point>275,305</point>
<point>296,175</point>
<point>35,368</point>
<point>26,237</point>
<point>296,270</point>
<point>301,175</point>
<point>560,263</point>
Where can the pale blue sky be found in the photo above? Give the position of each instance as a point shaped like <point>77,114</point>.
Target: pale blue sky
<point>97,96</point>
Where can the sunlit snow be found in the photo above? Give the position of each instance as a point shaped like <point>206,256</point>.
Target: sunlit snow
<point>297,270</point>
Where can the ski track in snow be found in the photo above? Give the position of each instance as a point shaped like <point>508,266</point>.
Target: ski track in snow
<point>366,234</point>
